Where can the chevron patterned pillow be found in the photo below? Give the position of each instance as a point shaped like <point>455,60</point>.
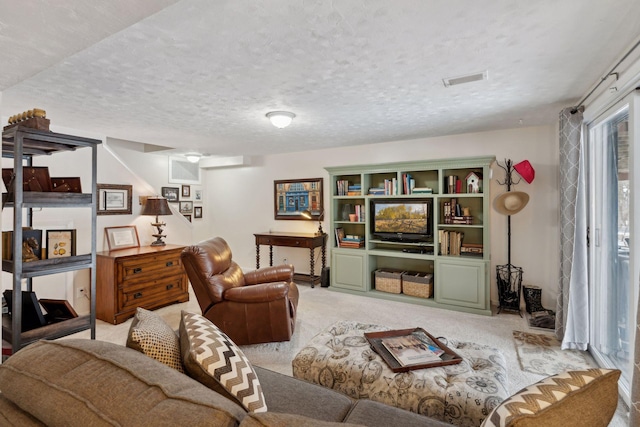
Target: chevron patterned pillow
<point>572,398</point>
<point>211,358</point>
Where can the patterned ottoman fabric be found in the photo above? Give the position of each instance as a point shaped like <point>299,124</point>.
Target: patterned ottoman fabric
<point>464,394</point>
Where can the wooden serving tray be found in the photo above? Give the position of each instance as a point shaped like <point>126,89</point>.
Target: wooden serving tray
<point>375,340</point>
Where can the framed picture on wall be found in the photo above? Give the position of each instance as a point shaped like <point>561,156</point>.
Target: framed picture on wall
<point>186,207</point>
<point>186,191</point>
<point>294,196</point>
<point>114,199</point>
<point>197,212</point>
<point>171,194</point>
<point>197,195</point>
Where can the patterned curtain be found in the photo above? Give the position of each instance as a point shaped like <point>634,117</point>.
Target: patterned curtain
<point>634,410</point>
<point>572,310</point>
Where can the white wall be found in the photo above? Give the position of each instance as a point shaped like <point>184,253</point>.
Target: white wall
<point>241,199</point>
<point>110,170</point>
<point>238,201</point>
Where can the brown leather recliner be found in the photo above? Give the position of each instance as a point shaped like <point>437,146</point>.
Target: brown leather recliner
<point>254,307</point>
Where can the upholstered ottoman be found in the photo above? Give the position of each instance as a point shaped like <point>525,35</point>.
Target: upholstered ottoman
<point>464,394</point>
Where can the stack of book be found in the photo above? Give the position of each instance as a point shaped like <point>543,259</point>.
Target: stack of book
<point>472,249</point>
<point>450,242</point>
<point>354,190</point>
<point>376,191</point>
<point>422,190</point>
<point>452,213</point>
<point>352,241</point>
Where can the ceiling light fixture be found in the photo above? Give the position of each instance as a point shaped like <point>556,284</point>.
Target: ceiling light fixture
<point>280,119</point>
<point>193,157</point>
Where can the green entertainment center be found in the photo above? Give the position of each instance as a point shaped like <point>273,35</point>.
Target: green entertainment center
<point>428,218</point>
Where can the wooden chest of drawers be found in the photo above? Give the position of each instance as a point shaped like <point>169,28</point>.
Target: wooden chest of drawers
<point>149,277</point>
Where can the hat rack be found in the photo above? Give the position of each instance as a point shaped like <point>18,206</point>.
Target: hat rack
<point>509,277</point>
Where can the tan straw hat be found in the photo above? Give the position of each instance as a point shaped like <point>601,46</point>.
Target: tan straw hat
<point>511,202</point>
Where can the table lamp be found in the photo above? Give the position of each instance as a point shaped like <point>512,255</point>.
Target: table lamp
<point>157,205</point>
<point>308,215</point>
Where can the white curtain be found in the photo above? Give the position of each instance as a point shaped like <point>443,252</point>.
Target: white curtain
<point>572,310</point>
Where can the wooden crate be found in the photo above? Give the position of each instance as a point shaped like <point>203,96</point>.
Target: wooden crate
<point>417,284</point>
<point>388,280</point>
<point>40,123</point>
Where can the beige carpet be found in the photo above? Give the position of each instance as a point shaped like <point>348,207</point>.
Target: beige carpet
<point>541,354</point>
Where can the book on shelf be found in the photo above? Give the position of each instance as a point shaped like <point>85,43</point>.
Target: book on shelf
<point>408,183</point>
<point>472,248</point>
<point>450,242</point>
<point>339,231</point>
<point>376,191</point>
<point>354,190</point>
<point>343,187</point>
<point>410,350</point>
<point>391,187</point>
<point>464,220</point>
<point>422,190</point>
<point>352,241</point>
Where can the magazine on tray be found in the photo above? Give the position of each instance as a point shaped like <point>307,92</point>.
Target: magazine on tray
<point>412,349</point>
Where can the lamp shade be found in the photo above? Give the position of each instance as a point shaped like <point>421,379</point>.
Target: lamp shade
<point>156,205</point>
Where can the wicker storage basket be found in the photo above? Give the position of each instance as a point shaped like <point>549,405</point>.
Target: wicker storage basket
<point>388,281</point>
<point>417,284</point>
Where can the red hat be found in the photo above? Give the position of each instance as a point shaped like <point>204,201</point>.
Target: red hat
<point>525,170</point>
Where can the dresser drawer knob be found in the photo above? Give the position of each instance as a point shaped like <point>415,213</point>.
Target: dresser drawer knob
<point>169,263</point>
<point>137,270</point>
<point>137,295</point>
<point>169,286</point>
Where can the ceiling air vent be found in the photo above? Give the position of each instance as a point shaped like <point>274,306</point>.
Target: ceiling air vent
<point>466,79</point>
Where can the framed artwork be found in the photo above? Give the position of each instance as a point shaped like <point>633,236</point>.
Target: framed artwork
<point>122,237</point>
<point>114,199</point>
<point>186,191</point>
<point>170,193</point>
<point>197,195</point>
<point>188,217</point>
<point>186,207</point>
<point>293,196</point>
<point>60,243</point>
<point>182,171</point>
<point>57,309</point>
<point>197,212</point>
<point>31,245</point>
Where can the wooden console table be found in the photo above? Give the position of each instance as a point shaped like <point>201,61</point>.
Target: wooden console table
<point>294,240</point>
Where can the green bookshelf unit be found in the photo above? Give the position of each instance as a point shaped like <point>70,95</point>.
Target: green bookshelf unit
<point>427,219</point>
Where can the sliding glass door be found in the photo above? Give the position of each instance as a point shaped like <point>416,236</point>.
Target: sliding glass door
<point>612,286</point>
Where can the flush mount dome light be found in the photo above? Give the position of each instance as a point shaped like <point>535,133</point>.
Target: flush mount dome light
<point>280,119</point>
<point>193,157</point>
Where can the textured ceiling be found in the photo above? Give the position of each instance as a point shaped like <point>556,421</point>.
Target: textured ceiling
<point>200,75</point>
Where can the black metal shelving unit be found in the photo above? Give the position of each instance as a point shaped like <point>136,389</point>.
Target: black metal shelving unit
<point>22,144</point>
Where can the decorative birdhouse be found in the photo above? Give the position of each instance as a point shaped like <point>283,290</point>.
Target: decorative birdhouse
<point>474,182</point>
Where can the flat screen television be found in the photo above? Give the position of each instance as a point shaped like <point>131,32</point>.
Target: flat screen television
<point>402,220</point>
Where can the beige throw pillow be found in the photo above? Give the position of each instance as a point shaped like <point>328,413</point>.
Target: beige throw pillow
<point>151,335</point>
<point>573,398</point>
<point>213,359</point>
